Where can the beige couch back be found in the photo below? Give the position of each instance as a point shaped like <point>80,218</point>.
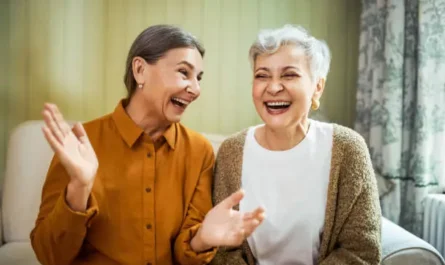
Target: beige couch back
<point>27,162</point>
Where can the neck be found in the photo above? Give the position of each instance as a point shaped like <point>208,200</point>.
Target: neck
<point>286,138</point>
<point>146,117</point>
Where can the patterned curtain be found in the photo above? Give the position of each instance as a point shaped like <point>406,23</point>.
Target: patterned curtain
<point>401,102</point>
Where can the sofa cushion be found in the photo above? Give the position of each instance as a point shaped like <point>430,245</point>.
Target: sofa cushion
<point>27,162</point>
<point>215,139</point>
<point>19,253</point>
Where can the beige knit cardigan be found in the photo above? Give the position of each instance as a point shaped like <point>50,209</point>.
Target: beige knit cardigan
<point>352,225</point>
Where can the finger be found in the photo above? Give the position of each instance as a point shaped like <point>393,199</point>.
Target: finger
<point>80,133</point>
<point>250,226</point>
<point>52,126</point>
<point>53,142</point>
<point>58,117</point>
<point>255,214</point>
<point>232,200</point>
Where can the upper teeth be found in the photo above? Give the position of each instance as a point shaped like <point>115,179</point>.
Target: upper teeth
<point>181,101</point>
<point>278,103</point>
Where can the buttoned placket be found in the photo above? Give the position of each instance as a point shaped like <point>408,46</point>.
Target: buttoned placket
<point>148,200</point>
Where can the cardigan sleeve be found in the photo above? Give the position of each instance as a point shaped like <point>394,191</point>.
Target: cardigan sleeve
<point>359,239</point>
<point>225,183</point>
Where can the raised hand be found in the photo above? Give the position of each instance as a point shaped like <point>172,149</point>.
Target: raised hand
<point>72,147</point>
<point>224,226</point>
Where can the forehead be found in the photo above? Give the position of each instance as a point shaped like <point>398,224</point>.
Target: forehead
<point>288,55</point>
<point>190,55</point>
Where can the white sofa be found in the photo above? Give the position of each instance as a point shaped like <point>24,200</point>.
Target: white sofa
<point>28,157</point>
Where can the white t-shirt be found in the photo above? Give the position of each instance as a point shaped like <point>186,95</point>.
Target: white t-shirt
<point>292,187</point>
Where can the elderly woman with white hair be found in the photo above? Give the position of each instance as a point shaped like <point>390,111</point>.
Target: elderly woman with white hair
<point>314,180</point>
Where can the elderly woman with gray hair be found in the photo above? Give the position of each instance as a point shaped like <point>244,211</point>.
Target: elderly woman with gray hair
<point>314,180</point>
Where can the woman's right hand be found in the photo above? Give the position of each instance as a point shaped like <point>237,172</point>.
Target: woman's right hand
<point>73,148</point>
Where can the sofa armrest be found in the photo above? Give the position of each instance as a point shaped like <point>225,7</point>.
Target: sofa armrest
<point>400,247</point>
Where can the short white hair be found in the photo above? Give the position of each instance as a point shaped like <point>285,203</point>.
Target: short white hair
<point>317,51</point>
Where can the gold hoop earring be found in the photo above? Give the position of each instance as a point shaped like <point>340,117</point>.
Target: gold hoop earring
<point>315,104</point>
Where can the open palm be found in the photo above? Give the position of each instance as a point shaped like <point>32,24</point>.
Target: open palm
<point>72,147</point>
<point>224,226</point>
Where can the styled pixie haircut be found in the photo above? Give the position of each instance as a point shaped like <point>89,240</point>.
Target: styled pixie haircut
<point>317,51</point>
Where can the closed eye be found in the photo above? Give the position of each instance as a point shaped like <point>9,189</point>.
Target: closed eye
<point>261,76</point>
<point>291,76</point>
<point>184,72</point>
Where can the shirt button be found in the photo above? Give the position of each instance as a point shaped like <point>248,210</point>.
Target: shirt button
<point>149,154</point>
<point>148,226</point>
<point>147,190</point>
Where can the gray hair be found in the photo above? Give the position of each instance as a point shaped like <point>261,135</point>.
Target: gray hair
<point>317,51</point>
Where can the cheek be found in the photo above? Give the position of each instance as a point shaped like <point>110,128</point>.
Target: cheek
<point>300,91</point>
<point>173,83</point>
<point>257,91</point>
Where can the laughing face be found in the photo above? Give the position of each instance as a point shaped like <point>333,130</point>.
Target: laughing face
<point>174,83</point>
<point>283,88</point>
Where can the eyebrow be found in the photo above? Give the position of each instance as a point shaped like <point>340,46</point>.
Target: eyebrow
<point>284,68</point>
<point>191,66</point>
<point>291,67</point>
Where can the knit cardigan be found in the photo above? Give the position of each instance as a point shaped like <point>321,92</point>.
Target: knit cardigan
<point>351,233</point>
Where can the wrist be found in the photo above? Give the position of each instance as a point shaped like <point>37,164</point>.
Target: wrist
<point>79,187</point>
<point>198,244</point>
<point>77,196</point>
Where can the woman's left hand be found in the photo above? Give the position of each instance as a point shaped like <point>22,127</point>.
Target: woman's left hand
<point>224,226</point>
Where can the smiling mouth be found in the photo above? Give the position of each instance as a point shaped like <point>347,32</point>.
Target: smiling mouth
<point>179,102</point>
<point>277,107</point>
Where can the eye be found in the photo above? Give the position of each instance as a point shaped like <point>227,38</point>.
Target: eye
<point>184,72</point>
<point>261,76</point>
<point>290,75</point>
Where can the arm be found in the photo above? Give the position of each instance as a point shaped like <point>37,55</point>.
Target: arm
<point>59,231</point>
<point>200,204</point>
<point>359,239</point>
<point>221,190</point>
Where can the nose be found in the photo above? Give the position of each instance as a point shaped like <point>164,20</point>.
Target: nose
<point>274,87</point>
<point>194,88</point>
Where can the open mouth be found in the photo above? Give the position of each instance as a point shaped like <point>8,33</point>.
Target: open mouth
<point>179,102</point>
<point>277,107</point>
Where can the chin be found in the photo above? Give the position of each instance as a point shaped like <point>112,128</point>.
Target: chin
<point>173,118</point>
<point>275,122</point>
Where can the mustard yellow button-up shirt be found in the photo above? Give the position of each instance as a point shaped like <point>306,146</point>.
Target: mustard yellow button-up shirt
<point>146,203</point>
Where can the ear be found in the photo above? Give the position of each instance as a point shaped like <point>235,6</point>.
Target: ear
<point>139,67</point>
<point>319,89</point>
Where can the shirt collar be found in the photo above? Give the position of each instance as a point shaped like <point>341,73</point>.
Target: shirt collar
<point>130,132</point>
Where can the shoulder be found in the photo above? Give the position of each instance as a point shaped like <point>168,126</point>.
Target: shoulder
<point>194,139</point>
<point>349,140</point>
<point>351,147</point>
<point>233,144</point>
<point>98,125</point>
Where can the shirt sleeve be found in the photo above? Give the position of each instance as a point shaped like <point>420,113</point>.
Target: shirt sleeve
<point>59,231</point>
<point>359,240</point>
<point>200,204</point>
